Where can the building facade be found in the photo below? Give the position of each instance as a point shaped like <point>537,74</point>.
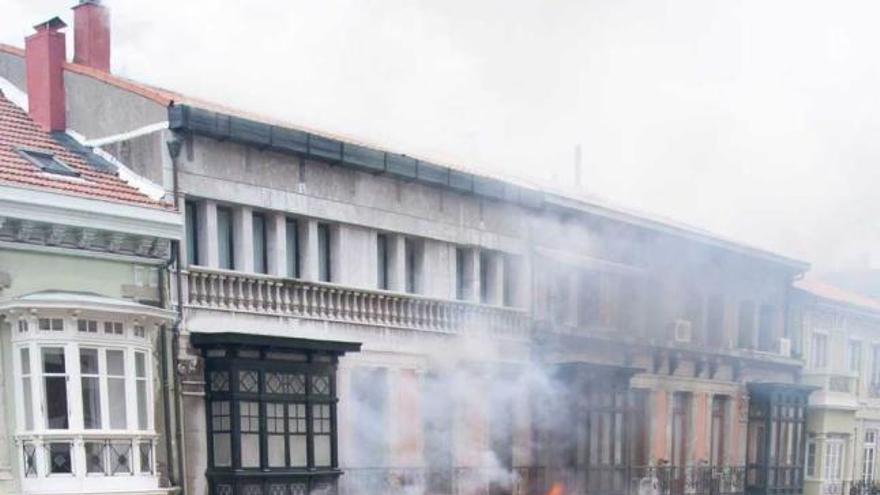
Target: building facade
<point>841,334</point>
<point>353,320</point>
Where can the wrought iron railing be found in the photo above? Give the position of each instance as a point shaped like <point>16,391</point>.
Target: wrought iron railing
<point>596,480</point>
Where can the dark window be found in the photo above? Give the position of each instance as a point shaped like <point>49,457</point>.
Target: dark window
<point>47,162</point>
<point>225,238</point>
<point>680,427</point>
<point>746,316</point>
<point>192,233</point>
<point>776,438</point>
<point>485,280</point>
<point>719,411</point>
<point>325,273</point>
<point>413,256</point>
<point>462,278</point>
<point>292,247</point>
<point>270,412</point>
<point>259,230</point>
<point>382,261</point>
<point>55,388</point>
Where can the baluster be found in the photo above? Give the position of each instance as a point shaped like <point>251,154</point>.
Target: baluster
<point>322,308</point>
<point>221,291</point>
<point>202,291</point>
<point>190,288</point>
<point>284,296</point>
<point>380,308</point>
<point>345,311</point>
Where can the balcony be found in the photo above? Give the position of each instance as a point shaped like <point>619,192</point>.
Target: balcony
<point>224,290</point>
<point>836,389</point>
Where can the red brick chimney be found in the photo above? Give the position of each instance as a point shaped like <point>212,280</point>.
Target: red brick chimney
<point>44,60</point>
<point>91,35</point>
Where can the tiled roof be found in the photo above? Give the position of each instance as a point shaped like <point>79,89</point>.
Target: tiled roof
<point>18,131</point>
<point>836,294</point>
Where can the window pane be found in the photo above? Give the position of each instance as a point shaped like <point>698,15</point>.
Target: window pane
<point>324,255</point>
<point>55,388</point>
<point>116,363</point>
<point>292,248</point>
<point>321,430</point>
<point>120,458</point>
<point>95,457</point>
<point>116,401</point>
<point>91,398</point>
<point>298,450</point>
<point>140,366</point>
<point>53,360</point>
<point>259,235</point>
<point>225,240</point>
<point>145,449</point>
<point>276,450</point>
<point>142,404</point>
<point>322,450</point>
<point>88,361</point>
<point>28,403</point>
<point>222,450</point>
<point>382,261</point>
<point>59,458</point>
<point>249,422</point>
<point>192,229</point>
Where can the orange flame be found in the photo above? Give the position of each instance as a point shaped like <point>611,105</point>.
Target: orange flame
<point>557,489</point>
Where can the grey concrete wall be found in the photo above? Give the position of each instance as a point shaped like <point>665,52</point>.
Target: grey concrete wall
<point>97,109</point>
<point>12,69</point>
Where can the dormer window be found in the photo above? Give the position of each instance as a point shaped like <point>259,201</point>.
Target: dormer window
<point>47,162</point>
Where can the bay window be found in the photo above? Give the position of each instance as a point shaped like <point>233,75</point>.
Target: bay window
<point>271,412</point>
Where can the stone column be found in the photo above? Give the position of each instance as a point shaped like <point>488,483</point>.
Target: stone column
<point>308,242</point>
<point>276,244</point>
<point>209,254</point>
<point>243,238</point>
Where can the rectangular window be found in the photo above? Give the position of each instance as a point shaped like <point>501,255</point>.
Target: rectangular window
<point>413,257</point>
<point>91,388</point>
<point>321,422</point>
<point>259,234</point>
<point>249,424</point>
<point>291,242</point>
<point>27,391</point>
<point>510,268</point>
<point>811,458</point>
<point>225,238</point>
<point>113,328</point>
<point>680,427</point>
<point>485,281</point>
<point>854,356</point>
<point>297,434</point>
<point>116,393</point>
<point>382,261</point>
<point>325,273</point>
<point>192,233</point>
<point>145,449</point>
<point>766,334</point>
<point>51,324</point>
<point>55,389</point>
<point>87,326</point>
<point>140,380</point>
<point>746,321</point>
<point>221,428</point>
<point>869,455</point>
<point>462,277</point>
<point>59,458</point>
<point>719,409</point>
<point>818,350</point>
<point>834,459</point>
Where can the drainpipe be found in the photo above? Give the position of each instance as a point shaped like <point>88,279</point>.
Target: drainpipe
<point>174,145</point>
<point>166,387</point>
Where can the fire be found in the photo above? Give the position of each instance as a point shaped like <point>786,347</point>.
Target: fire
<point>557,489</point>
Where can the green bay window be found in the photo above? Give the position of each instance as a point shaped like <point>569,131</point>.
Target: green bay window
<point>271,413</point>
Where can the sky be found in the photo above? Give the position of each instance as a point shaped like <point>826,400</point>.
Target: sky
<point>757,120</point>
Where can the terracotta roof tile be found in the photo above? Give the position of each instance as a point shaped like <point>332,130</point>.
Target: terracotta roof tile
<point>836,294</point>
<point>18,131</point>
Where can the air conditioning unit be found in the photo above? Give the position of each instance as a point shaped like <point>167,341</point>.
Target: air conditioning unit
<point>681,330</point>
<point>785,347</point>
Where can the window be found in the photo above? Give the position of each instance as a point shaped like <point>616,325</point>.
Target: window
<point>259,234</point>
<point>511,280</point>
<point>869,455</point>
<point>225,238</point>
<point>715,320</point>
<point>47,162</point>
<point>192,233</point>
<point>854,356</point>
<point>485,279</point>
<point>719,409</point>
<point>27,394</point>
<point>87,326</point>
<point>272,413</point>
<point>51,324</point>
<point>818,350</point>
<point>766,334</point>
<point>55,388</point>
<point>291,242</point>
<point>746,339</point>
<point>462,274</point>
<point>116,394</point>
<point>811,457</point>
<point>22,326</point>
<point>140,377</point>
<point>680,427</point>
<point>834,458</point>
<point>412,249</point>
<point>113,328</point>
<point>91,388</point>
<point>382,261</point>
<point>325,273</point>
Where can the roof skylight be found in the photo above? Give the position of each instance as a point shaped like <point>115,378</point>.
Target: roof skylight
<point>47,162</point>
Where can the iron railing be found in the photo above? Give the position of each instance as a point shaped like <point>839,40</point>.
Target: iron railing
<point>596,480</point>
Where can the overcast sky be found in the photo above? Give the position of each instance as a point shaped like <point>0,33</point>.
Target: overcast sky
<point>755,119</point>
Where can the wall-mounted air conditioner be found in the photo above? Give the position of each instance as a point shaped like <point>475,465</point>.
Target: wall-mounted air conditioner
<point>681,331</point>
<point>785,347</point>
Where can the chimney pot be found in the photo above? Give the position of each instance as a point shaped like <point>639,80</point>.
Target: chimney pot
<point>91,35</point>
<point>45,51</point>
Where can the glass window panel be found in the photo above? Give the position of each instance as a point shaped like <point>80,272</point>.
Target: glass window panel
<point>250,450</point>
<point>225,238</point>
<point>322,450</point>
<point>292,248</point>
<point>53,360</point>
<point>324,255</point>
<point>142,404</point>
<point>116,401</point>
<point>95,457</point>
<point>140,367</point>
<point>382,261</point>
<point>88,361</point>
<point>219,381</point>
<point>27,392</point>
<point>145,449</point>
<point>247,381</point>
<point>115,363</point>
<point>222,450</point>
<point>298,450</point>
<point>59,458</point>
<point>55,388</point>
<point>259,236</point>
<point>192,234</point>
<point>91,399</point>
<point>276,450</point>
<point>249,423</point>
<point>120,458</point>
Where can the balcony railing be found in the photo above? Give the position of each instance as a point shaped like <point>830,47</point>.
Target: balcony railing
<point>605,480</point>
<point>832,382</point>
<point>243,292</point>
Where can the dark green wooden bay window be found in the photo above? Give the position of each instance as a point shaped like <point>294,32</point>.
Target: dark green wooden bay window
<point>271,413</point>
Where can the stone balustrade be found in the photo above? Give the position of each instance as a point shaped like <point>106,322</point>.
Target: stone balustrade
<point>226,290</point>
